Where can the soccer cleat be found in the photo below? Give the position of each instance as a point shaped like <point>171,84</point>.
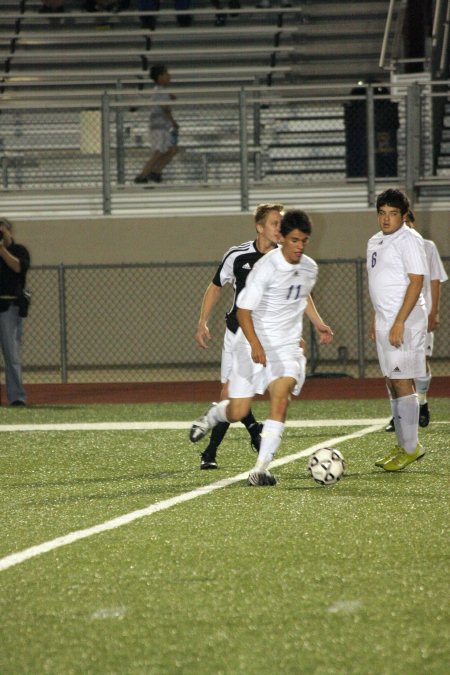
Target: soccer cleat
<point>390,426</point>
<point>255,434</point>
<point>402,459</point>
<point>201,426</point>
<point>256,478</point>
<point>380,462</point>
<point>424,415</point>
<point>206,464</point>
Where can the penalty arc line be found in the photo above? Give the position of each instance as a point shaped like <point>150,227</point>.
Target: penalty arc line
<point>21,556</point>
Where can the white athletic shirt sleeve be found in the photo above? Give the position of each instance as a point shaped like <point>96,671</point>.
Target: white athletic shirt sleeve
<point>276,292</point>
<point>390,259</point>
<point>435,268</point>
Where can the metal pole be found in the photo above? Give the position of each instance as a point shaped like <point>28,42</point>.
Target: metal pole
<point>120,140</point>
<point>360,316</point>
<point>257,136</point>
<point>106,155</point>
<point>370,126</point>
<point>412,138</point>
<point>243,149</point>
<point>62,322</point>
<point>387,30</point>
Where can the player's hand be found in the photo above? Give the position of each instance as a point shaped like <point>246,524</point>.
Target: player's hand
<point>325,334</point>
<point>258,354</point>
<point>396,334</point>
<point>433,322</point>
<point>202,335</point>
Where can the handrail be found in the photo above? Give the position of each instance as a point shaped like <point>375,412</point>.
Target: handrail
<point>387,30</point>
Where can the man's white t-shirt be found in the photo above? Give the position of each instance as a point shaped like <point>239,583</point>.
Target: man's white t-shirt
<point>158,117</point>
<point>276,292</point>
<point>390,259</point>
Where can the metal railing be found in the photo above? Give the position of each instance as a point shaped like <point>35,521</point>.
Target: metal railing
<point>244,137</point>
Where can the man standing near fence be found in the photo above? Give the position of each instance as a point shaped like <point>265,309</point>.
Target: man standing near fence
<point>14,264</point>
<point>234,269</point>
<point>397,266</point>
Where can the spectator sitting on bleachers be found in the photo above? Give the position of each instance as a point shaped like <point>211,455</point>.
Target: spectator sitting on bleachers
<point>50,6</point>
<point>221,18</point>
<point>106,5</point>
<point>149,21</point>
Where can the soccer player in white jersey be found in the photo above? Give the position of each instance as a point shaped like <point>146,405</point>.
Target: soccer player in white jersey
<point>234,269</point>
<point>397,266</point>
<point>267,352</point>
<point>432,293</point>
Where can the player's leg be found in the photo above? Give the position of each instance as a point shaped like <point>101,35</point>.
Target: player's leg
<point>272,432</point>
<point>208,456</point>
<point>423,384</point>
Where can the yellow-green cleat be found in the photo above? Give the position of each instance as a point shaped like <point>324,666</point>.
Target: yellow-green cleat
<point>382,461</point>
<point>402,459</point>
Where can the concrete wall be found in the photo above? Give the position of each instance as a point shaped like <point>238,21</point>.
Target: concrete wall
<point>199,239</point>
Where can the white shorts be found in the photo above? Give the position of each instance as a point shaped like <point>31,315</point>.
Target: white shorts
<point>162,139</point>
<point>249,378</point>
<point>226,365</point>
<point>405,362</point>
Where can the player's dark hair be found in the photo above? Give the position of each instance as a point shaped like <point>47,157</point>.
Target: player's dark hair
<point>157,70</point>
<point>5,221</point>
<point>395,198</point>
<point>295,220</point>
<point>411,216</point>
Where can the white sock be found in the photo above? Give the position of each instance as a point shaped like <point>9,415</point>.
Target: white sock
<point>270,440</point>
<point>218,413</point>
<point>422,386</point>
<point>408,421</point>
<point>398,428</point>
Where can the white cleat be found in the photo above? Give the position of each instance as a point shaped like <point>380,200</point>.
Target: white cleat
<point>261,478</point>
<point>201,426</point>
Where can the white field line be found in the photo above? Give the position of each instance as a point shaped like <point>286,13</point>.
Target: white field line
<point>152,426</point>
<point>19,557</point>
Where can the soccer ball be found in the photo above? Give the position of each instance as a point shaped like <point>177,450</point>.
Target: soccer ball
<point>326,466</point>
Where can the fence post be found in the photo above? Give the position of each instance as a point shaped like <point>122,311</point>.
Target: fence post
<point>62,322</point>
<point>120,139</point>
<point>106,155</point>
<point>412,138</point>
<point>360,315</point>
<point>370,124</point>
<point>257,135</point>
<point>243,149</point>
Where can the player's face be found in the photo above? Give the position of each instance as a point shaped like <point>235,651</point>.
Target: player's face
<point>390,219</point>
<point>269,231</point>
<point>293,245</point>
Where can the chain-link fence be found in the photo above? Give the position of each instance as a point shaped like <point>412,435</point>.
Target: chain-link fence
<point>129,323</point>
<point>254,136</point>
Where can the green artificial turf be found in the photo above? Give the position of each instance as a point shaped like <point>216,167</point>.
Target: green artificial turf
<point>289,579</point>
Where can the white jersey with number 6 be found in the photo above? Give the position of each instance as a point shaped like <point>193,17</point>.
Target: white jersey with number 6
<point>390,259</point>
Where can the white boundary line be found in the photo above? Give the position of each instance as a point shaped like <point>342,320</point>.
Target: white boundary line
<point>152,426</point>
<point>21,556</point>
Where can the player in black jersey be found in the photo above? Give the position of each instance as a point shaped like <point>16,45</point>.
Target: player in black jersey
<point>236,264</point>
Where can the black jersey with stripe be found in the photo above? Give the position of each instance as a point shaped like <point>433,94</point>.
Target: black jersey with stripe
<point>234,269</point>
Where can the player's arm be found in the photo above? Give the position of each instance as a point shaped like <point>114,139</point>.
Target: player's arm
<point>324,331</point>
<point>372,331</point>
<point>409,301</point>
<point>433,317</point>
<point>244,316</point>
<point>210,299</point>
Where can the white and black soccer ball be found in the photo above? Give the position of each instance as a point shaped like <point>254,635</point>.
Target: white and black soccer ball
<point>326,466</point>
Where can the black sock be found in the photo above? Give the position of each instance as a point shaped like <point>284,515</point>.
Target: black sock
<point>250,422</point>
<point>215,440</point>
